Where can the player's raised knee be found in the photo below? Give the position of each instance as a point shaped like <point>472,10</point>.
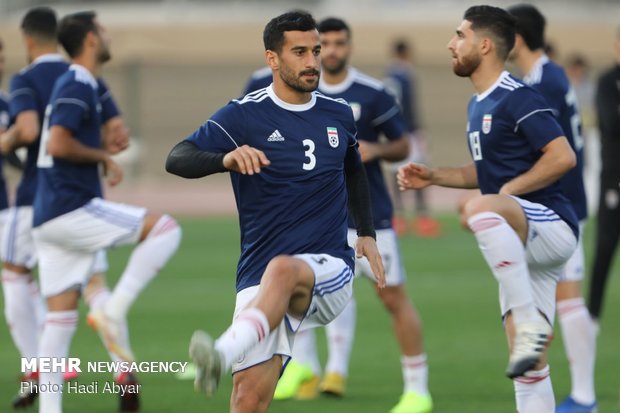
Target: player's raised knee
<point>282,267</point>
<point>156,225</point>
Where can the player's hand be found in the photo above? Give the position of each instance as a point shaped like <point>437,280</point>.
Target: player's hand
<point>246,160</point>
<point>368,150</point>
<point>414,176</point>
<point>112,171</point>
<point>367,247</point>
<point>116,136</point>
<point>6,142</point>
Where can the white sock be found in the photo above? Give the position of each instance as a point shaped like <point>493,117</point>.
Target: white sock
<point>580,343</point>
<point>145,262</point>
<point>415,373</point>
<point>534,393</point>
<point>248,329</point>
<point>95,301</point>
<point>55,342</point>
<point>19,312</point>
<point>38,304</point>
<point>304,350</point>
<point>504,253</point>
<point>340,334</point>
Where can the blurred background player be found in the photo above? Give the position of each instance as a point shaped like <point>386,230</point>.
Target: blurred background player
<point>35,84</point>
<point>292,185</point>
<point>608,223</point>
<point>401,81</point>
<point>71,222</point>
<point>376,112</point>
<point>525,228</point>
<point>549,79</point>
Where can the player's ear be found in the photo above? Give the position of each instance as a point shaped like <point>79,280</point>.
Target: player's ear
<point>486,45</point>
<point>91,39</point>
<point>272,59</point>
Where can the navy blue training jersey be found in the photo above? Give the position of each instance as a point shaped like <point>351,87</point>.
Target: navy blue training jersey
<point>507,127</point>
<point>550,80</point>
<point>259,80</point>
<point>298,204</point>
<point>400,81</point>
<point>63,185</point>
<point>109,109</point>
<point>30,90</point>
<point>376,112</point>
<point>4,125</point>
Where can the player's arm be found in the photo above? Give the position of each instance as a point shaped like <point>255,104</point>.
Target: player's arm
<point>115,135</point>
<point>62,145</point>
<point>391,151</point>
<point>360,208</point>
<point>23,132</point>
<point>558,158</point>
<point>418,176</point>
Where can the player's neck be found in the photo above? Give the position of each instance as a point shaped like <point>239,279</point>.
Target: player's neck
<point>486,75</point>
<point>39,51</point>
<point>334,78</point>
<point>527,60</point>
<point>89,63</point>
<point>290,95</point>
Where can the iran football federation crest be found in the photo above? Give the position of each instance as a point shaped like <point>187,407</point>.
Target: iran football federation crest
<point>486,123</point>
<point>332,137</point>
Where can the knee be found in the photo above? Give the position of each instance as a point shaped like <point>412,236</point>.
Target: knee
<point>475,206</point>
<point>156,225</point>
<point>246,400</point>
<point>282,269</point>
<point>394,299</point>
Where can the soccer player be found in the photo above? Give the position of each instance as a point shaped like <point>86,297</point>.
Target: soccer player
<point>608,224</point>
<point>4,124</point>
<point>376,112</point>
<point>71,222</point>
<point>401,82</point>
<point>548,78</point>
<point>292,156</point>
<point>525,227</point>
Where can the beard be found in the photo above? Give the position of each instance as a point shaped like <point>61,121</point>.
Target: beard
<point>467,66</point>
<point>295,82</point>
<point>335,68</point>
<point>103,55</point>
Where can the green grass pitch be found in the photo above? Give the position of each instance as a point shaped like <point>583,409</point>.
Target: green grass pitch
<point>448,280</point>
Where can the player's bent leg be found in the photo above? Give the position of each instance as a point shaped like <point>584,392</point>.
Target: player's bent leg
<point>253,388</point>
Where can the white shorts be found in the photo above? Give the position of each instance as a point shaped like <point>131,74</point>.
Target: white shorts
<point>17,244</point>
<point>101,262</point>
<point>575,266</point>
<point>332,291</point>
<point>4,216</point>
<point>549,246</point>
<point>387,243</point>
<point>67,245</point>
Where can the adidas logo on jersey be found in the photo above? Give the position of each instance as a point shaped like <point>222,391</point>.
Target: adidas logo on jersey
<point>276,136</point>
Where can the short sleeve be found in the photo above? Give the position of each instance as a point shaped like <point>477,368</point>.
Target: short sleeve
<point>388,118</point>
<point>223,132</point>
<point>71,105</point>
<point>23,96</point>
<point>351,128</point>
<point>534,118</point>
<point>109,109</point>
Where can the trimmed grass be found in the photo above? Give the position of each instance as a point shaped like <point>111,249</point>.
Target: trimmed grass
<point>448,281</point>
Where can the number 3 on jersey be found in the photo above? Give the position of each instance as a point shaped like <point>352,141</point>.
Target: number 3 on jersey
<point>474,145</point>
<point>309,153</point>
<point>44,160</point>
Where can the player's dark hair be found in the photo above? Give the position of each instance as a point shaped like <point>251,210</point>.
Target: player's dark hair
<point>497,22</point>
<point>334,24</point>
<point>40,22</point>
<point>401,47</point>
<point>530,25</point>
<point>297,20</point>
<point>73,29</point>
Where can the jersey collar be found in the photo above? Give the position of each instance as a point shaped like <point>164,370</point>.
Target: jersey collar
<point>490,90</point>
<point>339,88</point>
<point>290,106</point>
<point>48,57</point>
<point>83,73</point>
<point>535,74</point>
